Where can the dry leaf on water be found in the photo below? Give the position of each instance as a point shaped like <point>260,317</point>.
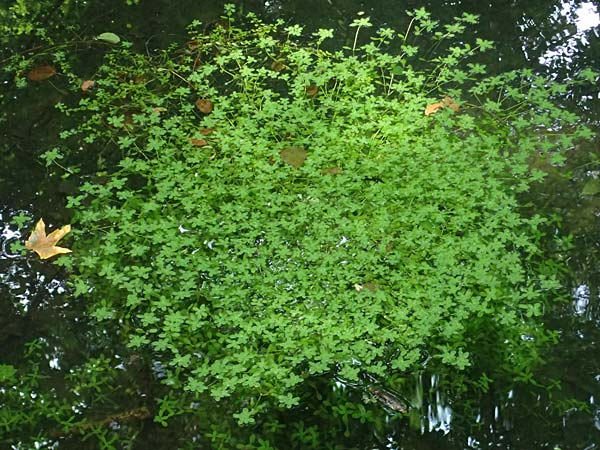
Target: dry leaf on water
<point>430,109</point>
<point>87,85</point>
<point>312,90</point>
<point>277,66</point>
<point>41,73</point>
<point>204,105</point>
<point>294,156</point>
<point>193,46</point>
<point>447,103</point>
<point>198,142</point>
<point>43,245</point>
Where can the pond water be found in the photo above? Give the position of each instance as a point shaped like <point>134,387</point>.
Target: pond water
<point>562,411</point>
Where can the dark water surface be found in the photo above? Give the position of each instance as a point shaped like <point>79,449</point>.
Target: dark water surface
<point>557,38</point>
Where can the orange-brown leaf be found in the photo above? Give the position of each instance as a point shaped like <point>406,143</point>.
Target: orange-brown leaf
<point>45,246</point>
<point>447,103</point>
<point>198,142</point>
<point>312,90</point>
<point>204,105</point>
<point>87,85</point>
<point>41,73</point>
<point>430,109</point>
<point>277,66</point>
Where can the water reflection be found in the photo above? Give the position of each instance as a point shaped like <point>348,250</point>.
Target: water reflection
<point>587,16</point>
<point>438,416</point>
<point>7,237</point>
<point>580,17</point>
<point>581,300</point>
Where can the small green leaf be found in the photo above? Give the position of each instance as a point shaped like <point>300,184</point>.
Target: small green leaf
<point>111,38</point>
<point>588,75</point>
<point>7,373</point>
<point>51,156</point>
<point>397,70</point>
<point>592,187</point>
<point>244,417</point>
<point>20,219</point>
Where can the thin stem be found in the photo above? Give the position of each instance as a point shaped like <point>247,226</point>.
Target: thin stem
<point>408,29</point>
<point>355,38</point>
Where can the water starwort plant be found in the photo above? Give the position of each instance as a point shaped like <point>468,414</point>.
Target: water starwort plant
<point>266,211</point>
<point>394,238</point>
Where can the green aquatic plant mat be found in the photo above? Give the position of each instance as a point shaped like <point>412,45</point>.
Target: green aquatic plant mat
<point>269,210</point>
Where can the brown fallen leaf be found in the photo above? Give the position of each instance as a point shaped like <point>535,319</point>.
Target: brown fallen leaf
<point>294,156</point>
<point>204,105</point>
<point>312,90</point>
<point>277,66</point>
<point>45,246</point>
<point>41,73</point>
<point>430,109</point>
<point>447,103</point>
<point>387,398</point>
<point>87,85</point>
<point>206,131</point>
<point>193,45</point>
<point>198,142</point>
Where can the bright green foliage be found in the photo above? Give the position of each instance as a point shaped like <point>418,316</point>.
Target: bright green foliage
<point>398,240</point>
<point>111,38</point>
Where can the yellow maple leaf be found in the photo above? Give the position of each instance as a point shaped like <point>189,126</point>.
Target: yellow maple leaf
<point>43,245</point>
